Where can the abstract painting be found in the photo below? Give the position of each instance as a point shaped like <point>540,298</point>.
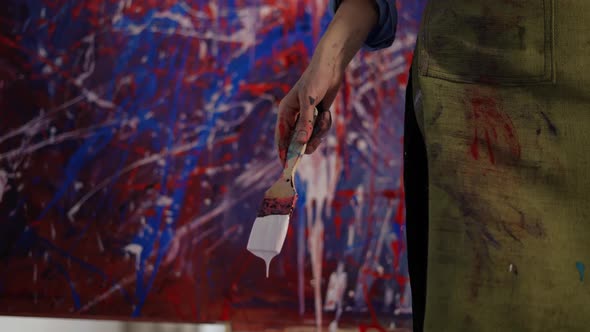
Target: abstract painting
<point>136,143</point>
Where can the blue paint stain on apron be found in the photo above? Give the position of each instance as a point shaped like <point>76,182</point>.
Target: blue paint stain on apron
<point>581,268</point>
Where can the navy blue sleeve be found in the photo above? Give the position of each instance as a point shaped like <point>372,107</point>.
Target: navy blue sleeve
<point>383,34</point>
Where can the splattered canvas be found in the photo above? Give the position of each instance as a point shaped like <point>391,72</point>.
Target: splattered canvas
<point>136,142</point>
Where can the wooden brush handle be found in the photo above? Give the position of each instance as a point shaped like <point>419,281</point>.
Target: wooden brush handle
<point>294,154</point>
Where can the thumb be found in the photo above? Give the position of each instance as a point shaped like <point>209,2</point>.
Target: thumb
<point>304,125</point>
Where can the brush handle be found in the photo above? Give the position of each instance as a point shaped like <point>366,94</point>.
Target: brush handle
<point>294,154</point>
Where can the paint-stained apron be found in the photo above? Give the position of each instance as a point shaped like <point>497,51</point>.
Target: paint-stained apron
<point>502,99</point>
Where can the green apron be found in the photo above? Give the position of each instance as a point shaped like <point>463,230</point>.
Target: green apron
<point>502,98</point>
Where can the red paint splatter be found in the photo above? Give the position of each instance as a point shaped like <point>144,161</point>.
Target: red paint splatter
<point>400,216</point>
<point>257,89</point>
<point>226,310</point>
<point>475,145</point>
<point>374,322</point>
<point>347,193</point>
<point>389,193</point>
<point>366,327</point>
<point>488,119</point>
<point>402,79</point>
<point>396,248</point>
<point>490,152</point>
<point>338,225</point>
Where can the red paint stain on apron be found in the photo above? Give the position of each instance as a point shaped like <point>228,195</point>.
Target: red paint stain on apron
<point>488,119</point>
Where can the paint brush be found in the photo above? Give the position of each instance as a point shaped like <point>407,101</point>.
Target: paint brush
<point>270,227</point>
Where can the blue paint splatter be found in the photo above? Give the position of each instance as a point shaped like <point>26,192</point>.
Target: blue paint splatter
<point>581,268</point>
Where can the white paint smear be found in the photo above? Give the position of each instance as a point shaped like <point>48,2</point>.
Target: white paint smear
<point>164,201</point>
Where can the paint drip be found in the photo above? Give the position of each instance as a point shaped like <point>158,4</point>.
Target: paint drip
<point>581,270</point>
<point>267,237</point>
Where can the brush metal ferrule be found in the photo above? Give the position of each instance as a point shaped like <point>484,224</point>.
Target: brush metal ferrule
<point>279,206</point>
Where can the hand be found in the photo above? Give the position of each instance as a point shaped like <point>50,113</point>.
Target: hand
<point>317,87</point>
<point>319,84</point>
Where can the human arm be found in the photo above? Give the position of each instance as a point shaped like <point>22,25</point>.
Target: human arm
<point>356,23</point>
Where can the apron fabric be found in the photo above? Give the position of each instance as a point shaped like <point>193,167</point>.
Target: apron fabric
<point>501,97</point>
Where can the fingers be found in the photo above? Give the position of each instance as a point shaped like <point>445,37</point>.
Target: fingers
<point>320,130</point>
<point>286,120</point>
<point>296,117</point>
<point>312,146</point>
<point>305,123</point>
<point>323,122</point>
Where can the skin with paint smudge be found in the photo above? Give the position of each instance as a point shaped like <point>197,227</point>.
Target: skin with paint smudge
<point>320,82</point>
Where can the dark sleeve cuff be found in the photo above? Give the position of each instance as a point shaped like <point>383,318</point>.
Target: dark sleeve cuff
<point>383,34</point>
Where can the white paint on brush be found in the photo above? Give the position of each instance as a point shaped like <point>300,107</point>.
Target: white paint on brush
<point>267,237</point>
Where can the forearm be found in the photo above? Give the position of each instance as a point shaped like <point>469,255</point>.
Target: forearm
<point>352,23</point>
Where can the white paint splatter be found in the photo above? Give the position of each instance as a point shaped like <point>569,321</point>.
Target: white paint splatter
<point>362,145</point>
<point>350,239</point>
<point>164,201</point>
<point>320,173</point>
<point>99,243</point>
<point>335,293</point>
<point>388,296</point>
<point>42,52</point>
<point>135,249</point>
<point>115,288</point>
